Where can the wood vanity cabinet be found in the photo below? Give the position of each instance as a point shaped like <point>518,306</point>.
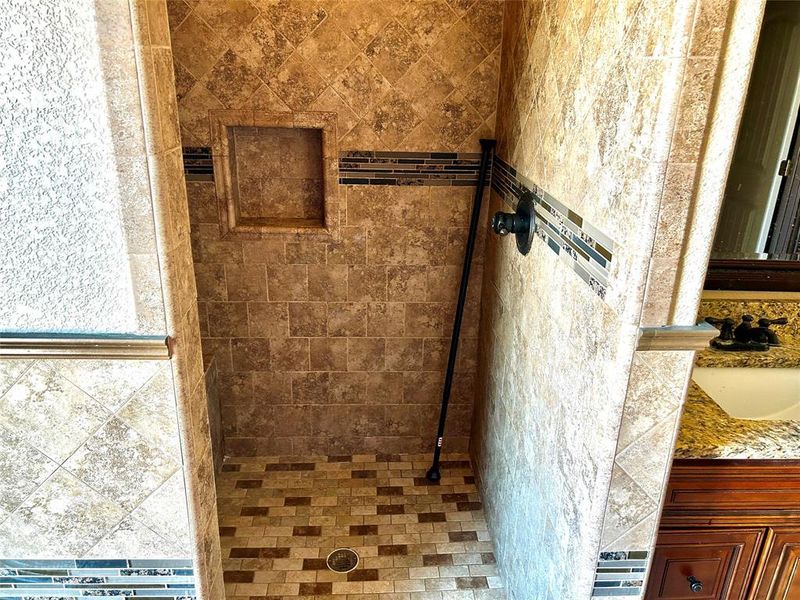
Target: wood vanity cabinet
<point>717,562</point>
<point>780,575</point>
<point>730,530</point>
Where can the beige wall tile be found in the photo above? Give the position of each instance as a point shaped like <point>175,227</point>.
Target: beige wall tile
<point>308,319</point>
<point>595,107</point>
<point>397,77</point>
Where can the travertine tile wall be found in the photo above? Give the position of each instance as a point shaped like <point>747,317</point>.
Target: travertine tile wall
<point>656,392</point>
<point>402,75</point>
<point>214,416</point>
<point>279,174</point>
<point>680,196</point>
<point>657,386</point>
<point>90,461</point>
<point>170,206</point>
<point>589,97</point>
<point>340,346</point>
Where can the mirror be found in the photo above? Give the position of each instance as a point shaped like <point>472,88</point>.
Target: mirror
<point>757,243</point>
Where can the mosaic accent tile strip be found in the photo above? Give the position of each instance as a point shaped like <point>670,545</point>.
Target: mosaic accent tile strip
<point>365,167</point>
<point>197,165</point>
<point>585,248</point>
<point>156,579</point>
<point>620,574</point>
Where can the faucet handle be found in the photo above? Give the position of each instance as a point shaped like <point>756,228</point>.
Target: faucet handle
<point>770,336</point>
<point>714,321</point>
<point>767,322</point>
<point>725,327</point>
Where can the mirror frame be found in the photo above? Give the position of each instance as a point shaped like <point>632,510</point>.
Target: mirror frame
<point>753,275</point>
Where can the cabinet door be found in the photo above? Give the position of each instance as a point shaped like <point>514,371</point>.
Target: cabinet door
<point>780,575</point>
<point>703,564</point>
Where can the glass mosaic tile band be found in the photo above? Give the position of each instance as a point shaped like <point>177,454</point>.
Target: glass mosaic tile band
<point>197,164</point>
<point>154,579</point>
<point>620,574</point>
<point>585,248</point>
<point>367,167</point>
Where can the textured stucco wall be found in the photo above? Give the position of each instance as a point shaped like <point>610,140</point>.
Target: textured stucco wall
<point>66,263</point>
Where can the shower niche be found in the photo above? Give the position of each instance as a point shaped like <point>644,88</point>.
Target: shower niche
<point>276,173</point>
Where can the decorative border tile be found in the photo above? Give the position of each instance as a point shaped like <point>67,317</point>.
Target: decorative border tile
<point>367,167</point>
<point>620,574</point>
<point>197,163</point>
<point>585,248</point>
<point>155,579</point>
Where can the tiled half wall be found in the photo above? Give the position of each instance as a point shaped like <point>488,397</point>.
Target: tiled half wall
<point>90,461</point>
<point>92,494</point>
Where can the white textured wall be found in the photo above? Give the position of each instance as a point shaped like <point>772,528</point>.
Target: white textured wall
<point>65,259</point>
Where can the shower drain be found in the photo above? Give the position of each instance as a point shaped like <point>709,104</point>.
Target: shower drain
<point>342,560</point>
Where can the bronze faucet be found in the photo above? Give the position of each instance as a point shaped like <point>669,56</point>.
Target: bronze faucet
<point>745,336</point>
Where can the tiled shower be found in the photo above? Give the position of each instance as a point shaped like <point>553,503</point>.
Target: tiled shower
<point>345,333</point>
<point>329,337</point>
<point>286,193</point>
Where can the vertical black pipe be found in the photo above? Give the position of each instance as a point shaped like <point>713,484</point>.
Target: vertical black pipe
<point>487,147</point>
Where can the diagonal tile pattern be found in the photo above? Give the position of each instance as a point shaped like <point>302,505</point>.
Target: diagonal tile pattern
<point>350,57</point>
<point>77,479</point>
<point>280,517</point>
<point>120,463</point>
<point>30,468</point>
<point>296,324</point>
<point>63,517</point>
<point>49,412</point>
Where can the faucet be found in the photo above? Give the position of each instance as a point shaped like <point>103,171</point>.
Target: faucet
<point>745,336</point>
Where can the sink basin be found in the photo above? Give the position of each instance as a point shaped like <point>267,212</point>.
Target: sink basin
<point>757,394</point>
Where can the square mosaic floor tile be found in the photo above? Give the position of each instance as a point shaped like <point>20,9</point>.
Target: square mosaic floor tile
<point>280,518</point>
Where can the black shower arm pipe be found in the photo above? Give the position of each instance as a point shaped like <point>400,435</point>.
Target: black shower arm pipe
<point>487,148</point>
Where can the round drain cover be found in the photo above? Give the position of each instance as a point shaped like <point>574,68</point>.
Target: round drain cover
<point>342,560</point>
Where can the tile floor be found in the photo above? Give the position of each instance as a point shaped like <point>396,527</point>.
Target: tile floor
<point>281,517</point>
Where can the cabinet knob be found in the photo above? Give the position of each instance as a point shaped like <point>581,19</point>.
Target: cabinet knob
<point>695,584</point>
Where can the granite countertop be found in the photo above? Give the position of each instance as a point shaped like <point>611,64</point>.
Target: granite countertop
<point>775,358</point>
<point>707,431</point>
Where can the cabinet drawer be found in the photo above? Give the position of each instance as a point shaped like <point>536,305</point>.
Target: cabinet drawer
<point>719,562</point>
<point>733,486</point>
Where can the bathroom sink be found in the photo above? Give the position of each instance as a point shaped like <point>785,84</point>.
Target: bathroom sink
<point>758,394</point>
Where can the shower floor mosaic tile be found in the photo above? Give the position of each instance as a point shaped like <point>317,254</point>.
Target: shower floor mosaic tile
<point>281,517</point>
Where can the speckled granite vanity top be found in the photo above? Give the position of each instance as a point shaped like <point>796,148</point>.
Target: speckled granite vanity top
<point>774,358</point>
<point>707,431</point>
